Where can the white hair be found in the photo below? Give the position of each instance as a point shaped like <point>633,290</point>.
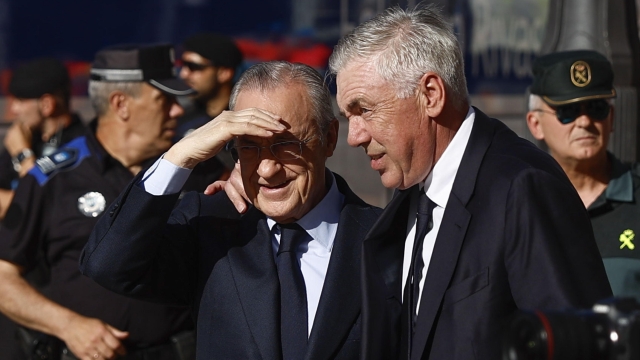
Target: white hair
<point>99,92</point>
<point>274,74</point>
<point>402,45</point>
<point>536,102</point>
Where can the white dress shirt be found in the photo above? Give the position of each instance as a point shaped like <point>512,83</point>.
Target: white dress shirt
<point>321,223</point>
<point>438,188</point>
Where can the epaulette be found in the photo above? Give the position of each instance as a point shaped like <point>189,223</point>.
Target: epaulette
<point>64,158</point>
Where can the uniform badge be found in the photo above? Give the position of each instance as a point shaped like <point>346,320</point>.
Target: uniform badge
<point>626,238</point>
<point>91,204</point>
<point>580,73</point>
<point>58,160</point>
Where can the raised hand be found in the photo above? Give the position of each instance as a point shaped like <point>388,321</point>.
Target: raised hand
<point>209,139</point>
<point>17,138</point>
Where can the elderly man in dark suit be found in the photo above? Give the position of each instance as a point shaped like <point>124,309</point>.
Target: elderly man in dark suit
<point>496,224</point>
<point>279,281</point>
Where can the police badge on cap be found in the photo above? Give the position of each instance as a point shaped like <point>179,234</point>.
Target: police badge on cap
<point>91,204</point>
<point>567,77</point>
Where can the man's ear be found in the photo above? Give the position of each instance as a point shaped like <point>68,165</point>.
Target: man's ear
<point>533,122</point>
<point>119,103</point>
<point>432,93</point>
<point>47,105</point>
<point>225,74</point>
<point>332,137</point>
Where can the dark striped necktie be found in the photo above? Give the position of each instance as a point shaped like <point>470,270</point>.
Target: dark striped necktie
<point>293,294</point>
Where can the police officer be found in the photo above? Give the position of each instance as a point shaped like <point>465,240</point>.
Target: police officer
<point>41,89</point>
<point>571,108</point>
<point>209,65</point>
<point>133,90</point>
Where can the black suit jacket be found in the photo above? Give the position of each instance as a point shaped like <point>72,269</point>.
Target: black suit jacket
<point>514,235</point>
<point>206,254</point>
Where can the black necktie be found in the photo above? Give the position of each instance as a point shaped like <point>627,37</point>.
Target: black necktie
<point>293,294</point>
<point>412,286</point>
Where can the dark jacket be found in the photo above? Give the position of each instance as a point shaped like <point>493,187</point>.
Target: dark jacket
<point>222,263</point>
<point>514,235</point>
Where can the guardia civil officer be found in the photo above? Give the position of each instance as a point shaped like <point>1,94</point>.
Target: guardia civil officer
<point>133,90</point>
<point>571,108</point>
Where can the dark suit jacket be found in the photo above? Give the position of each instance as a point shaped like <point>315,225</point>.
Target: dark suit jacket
<point>206,254</point>
<point>514,235</point>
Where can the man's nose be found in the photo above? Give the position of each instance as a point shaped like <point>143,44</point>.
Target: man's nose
<point>357,135</point>
<point>184,72</point>
<point>14,108</point>
<point>268,165</point>
<point>176,110</point>
<point>583,120</point>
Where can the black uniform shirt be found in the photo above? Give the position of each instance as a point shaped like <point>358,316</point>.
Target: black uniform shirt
<point>615,217</point>
<point>54,213</point>
<point>8,176</point>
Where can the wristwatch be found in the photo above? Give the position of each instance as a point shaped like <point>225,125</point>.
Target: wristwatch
<point>18,159</point>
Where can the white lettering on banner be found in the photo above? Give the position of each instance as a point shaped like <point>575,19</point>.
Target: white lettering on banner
<point>506,35</point>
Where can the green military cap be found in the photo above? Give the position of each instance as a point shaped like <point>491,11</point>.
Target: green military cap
<point>572,76</point>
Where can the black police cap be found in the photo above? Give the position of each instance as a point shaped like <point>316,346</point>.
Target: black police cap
<point>218,49</point>
<point>153,64</point>
<point>572,76</point>
<point>38,77</point>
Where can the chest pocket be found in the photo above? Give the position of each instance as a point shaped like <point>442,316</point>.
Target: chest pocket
<point>466,287</point>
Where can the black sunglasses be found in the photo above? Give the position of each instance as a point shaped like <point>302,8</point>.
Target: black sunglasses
<point>596,109</point>
<point>195,66</point>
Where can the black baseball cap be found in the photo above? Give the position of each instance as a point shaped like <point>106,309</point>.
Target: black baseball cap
<point>153,64</point>
<point>571,76</point>
<point>37,77</point>
<point>218,49</point>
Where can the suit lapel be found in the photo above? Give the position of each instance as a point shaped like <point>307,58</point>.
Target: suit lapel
<point>381,280</point>
<point>441,267</point>
<point>339,305</point>
<point>255,275</point>
<point>385,241</point>
<point>451,234</point>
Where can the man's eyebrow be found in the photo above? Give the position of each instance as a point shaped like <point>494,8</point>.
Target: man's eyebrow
<point>353,103</point>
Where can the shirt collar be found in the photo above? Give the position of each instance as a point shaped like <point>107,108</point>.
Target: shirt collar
<point>440,181</point>
<point>321,223</point>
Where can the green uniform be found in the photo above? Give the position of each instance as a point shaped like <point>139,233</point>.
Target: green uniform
<point>615,217</point>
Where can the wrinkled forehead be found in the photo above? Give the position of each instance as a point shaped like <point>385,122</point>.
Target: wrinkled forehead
<point>356,82</point>
<point>358,71</point>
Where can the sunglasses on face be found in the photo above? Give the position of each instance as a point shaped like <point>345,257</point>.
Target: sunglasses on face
<point>195,66</point>
<point>595,109</point>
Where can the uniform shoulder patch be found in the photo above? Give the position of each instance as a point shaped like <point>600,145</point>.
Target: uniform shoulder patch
<point>65,157</point>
